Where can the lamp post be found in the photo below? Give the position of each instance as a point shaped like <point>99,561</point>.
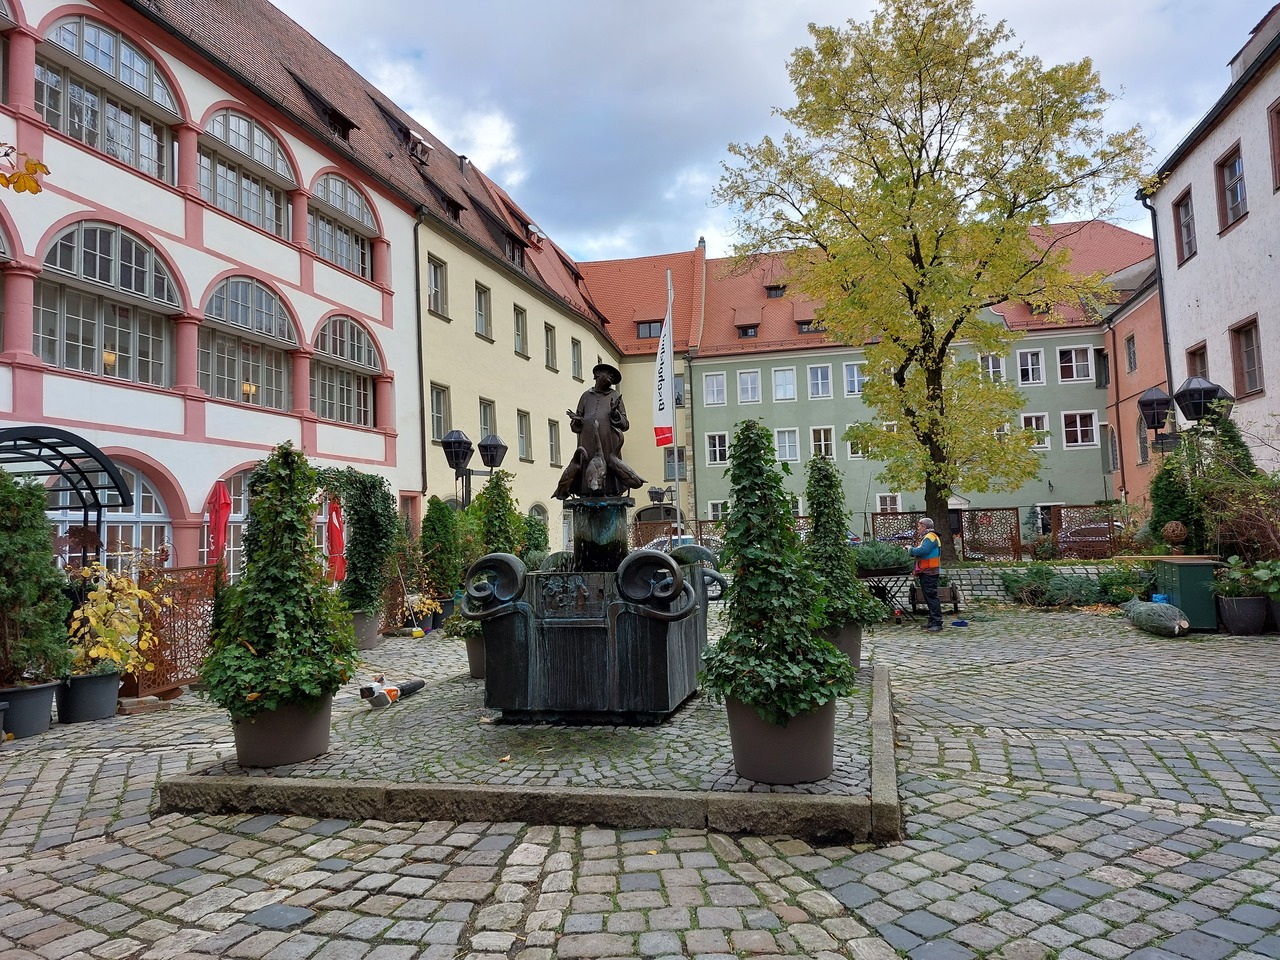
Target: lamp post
<point>661,495</point>
<point>457,452</point>
<point>1195,398</point>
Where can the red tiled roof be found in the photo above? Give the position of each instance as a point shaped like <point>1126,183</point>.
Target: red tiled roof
<point>738,298</point>
<point>287,67</point>
<point>631,291</point>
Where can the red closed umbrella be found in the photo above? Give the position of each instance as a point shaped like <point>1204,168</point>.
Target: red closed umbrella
<point>337,542</point>
<point>218,507</point>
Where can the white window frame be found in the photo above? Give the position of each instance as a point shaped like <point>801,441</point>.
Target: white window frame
<point>713,385</point>
<point>1037,352</point>
<point>440,412</point>
<point>524,436</point>
<point>855,367</point>
<point>344,367</point>
<point>1029,423</point>
<point>820,381</point>
<point>340,225</point>
<point>819,447</point>
<point>437,286</point>
<point>1076,350</point>
<point>888,503</point>
<point>793,445</point>
<point>717,442</point>
<point>1131,353</point>
<point>484,312</point>
<point>853,453</point>
<point>553,442</point>
<point>780,389</point>
<point>1091,445</point>
<point>575,358</point>
<point>992,367</point>
<point>549,348</point>
<point>717,510</point>
<point>674,458</point>
<point>743,381</point>
<point>520,322</point>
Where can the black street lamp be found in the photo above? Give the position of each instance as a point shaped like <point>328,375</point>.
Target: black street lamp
<point>457,453</point>
<point>1196,395</point>
<point>1154,405</point>
<point>657,495</point>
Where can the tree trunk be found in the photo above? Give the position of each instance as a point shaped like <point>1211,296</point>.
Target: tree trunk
<point>935,508</point>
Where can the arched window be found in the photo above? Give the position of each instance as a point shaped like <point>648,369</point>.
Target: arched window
<point>340,225</point>
<point>135,536</point>
<point>122,106</point>
<point>342,373</point>
<point>245,343</point>
<point>233,556</point>
<point>109,315</point>
<point>1144,449</point>
<point>243,171</point>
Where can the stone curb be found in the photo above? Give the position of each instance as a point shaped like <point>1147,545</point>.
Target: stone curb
<point>826,818</point>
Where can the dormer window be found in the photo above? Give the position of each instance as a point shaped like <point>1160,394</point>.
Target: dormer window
<point>809,326</point>
<point>649,329</point>
<point>775,291</point>
<point>338,123</point>
<point>515,251</point>
<point>748,331</point>
<point>1039,309</point>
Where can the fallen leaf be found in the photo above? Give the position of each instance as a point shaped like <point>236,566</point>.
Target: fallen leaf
<point>504,759</point>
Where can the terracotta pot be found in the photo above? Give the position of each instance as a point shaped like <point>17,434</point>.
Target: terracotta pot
<point>30,709</point>
<point>801,752</point>
<point>90,697</point>
<point>291,733</point>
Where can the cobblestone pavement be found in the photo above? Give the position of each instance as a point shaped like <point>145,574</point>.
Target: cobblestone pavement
<point>1074,790</point>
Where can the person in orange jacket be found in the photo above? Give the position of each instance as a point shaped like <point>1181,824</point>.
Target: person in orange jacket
<point>928,554</point>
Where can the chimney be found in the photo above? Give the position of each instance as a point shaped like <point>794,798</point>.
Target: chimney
<point>462,163</point>
<point>1259,37</point>
<point>702,244</point>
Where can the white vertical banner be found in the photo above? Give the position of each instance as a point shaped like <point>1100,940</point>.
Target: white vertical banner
<point>664,385</point>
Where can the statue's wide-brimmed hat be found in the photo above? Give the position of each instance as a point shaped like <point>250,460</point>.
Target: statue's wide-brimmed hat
<point>614,374</point>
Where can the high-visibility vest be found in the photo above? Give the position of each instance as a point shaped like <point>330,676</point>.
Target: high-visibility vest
<point>932,563</point>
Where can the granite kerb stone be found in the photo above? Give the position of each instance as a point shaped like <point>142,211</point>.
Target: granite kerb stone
<point>876,818</point>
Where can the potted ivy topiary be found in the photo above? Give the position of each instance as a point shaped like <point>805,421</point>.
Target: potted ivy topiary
<point>1242,597</point>
<point>111,627</point>
<point>850,605</point>
<point>369,511</point>
<point>33,609</point>
<point>441,554</point>
<point>281,640</point>
<point>779,678</point>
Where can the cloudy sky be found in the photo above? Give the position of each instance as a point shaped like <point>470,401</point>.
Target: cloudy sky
<point>608,121</point>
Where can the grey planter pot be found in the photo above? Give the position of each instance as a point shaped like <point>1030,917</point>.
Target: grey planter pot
<point>475,657</point>
<point>30,709</point>
<point>801,752</point>
<point>848,640</point>
<point>92,697</point>
<point>291,733</point>
<point>366,623</point>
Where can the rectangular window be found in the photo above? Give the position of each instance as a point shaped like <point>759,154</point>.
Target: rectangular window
<point>575,358</point>
<point>484,319</point>
<point>774,291</point>
<point>1184,227</point>
<point>522,332</point>
<point>820,382</point>
<point>440,416</point>
<point>1074,364</point>
<point>717,448</point>
<point>1130,353</point>
<point>1030,367</point>
<point>748,332</point>
<point>748,386</point>
<point>1198,361</point>
<point>854,451</point>
<point>854,380</point>
<point>992,367</point>
<point>822,442</point>
<point>1246,357</point>
<point>1080,429</point>
<point>1231,198</point>
<point>1113,450</point>
<point>787,442</point>
<point>524,435</point>
<point>888,503</point>
<point>784,383</point>
<point>679,389</point>
<point>717,509</point>
<point>649,329</point>
<point>1039,422</point>
<point>488,418</point>
<point>549,346</point>
<point>553,441</point>
<point>1102,364</point>
<point>437,291</point>
<point>713,390</point>
<point>670,457</point>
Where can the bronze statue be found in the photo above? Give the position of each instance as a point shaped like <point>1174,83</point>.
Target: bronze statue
<point>596,468</point>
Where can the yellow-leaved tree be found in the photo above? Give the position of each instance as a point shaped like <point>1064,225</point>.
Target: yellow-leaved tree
<point>924,161</point>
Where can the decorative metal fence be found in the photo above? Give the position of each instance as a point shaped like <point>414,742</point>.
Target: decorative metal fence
<point>182,631</point>
<point>1086,532</point>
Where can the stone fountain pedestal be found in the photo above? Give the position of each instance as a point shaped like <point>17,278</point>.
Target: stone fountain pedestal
<point>603,636</point>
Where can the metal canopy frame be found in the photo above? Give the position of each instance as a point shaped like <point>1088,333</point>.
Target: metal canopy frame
<point>80,467</point>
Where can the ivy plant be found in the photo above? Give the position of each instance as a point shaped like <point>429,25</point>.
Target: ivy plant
<point>441,549</point>
<point>369,511</point>
<point>770,657</point>
<point>503,527</point>
<point>280,635</point>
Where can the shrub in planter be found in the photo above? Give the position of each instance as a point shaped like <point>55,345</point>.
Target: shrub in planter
<point>280,636</point>
<point>770,657</point>
<point>502,526</point>
<point>875,556</point>
<point>441,550</point>
<point>369,509</point>
<point>829,555</point>
<point>111,627</point>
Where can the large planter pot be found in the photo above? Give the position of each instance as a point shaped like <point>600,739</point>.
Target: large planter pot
<point>4,705</point>
<point>800,752</point>
<point>30,709</point>
<point>1243,616</point>
<point>291,733</point>
<point>848,640</point>
<point>366,623</point>
<point>91,697</point>
<point>475,657</point>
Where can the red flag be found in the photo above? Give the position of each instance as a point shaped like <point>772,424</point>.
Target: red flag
<point>337,542</point>
<point>218,507</point>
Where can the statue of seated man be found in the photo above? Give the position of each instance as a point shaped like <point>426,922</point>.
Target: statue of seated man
<point>596,468</point>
